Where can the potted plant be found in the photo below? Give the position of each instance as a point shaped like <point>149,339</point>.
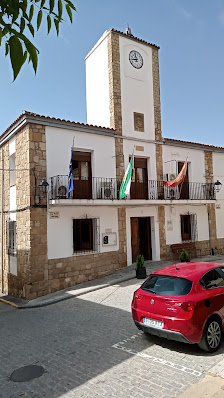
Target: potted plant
<point>184,256</point>
<point>140,267</point>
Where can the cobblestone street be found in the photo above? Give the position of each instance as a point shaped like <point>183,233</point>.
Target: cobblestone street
<point>90,347</point>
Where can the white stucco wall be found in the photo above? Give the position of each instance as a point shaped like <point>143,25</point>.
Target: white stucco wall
<point>97,86</point>
<point>218,171</point>
<point>136,89</point>
<point>60,230</point>
<point>143,212</point>
<point>148,153</point>
<point>196,162</point>
<point>12,202</point>
<point>12,146</point>
<point>58,152</point>
<point>13,265</point>
<point>173,213</point>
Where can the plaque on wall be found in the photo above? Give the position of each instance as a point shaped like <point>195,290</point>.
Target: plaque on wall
<point>54,214</point>
<point>169,225</point>
<point>110,239</point>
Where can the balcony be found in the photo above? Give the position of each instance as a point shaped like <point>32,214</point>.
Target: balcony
<point>108,189</point>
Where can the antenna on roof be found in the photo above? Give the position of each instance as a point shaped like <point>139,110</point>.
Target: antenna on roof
<point>128,31</point>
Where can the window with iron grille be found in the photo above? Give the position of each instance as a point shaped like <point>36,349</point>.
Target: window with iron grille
<point>189,230</point>
<point>85,235</point>
<point>12,238</point>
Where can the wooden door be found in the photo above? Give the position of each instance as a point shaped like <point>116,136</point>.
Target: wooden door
<point>139,185</point>
<point>185,227</point>
<point>82,175</point>
<point>135,241</point>
<point>184,186</point>
<point>145,237</point>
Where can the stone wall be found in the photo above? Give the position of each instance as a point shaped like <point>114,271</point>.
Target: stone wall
<point>156,94</point>
<point>115,99</point>
<point>159,162</point>
<point>210,207</point>
<point>18,284</point>
<point>162,233</point>
<point>4,214</point>
<point>31,216</point>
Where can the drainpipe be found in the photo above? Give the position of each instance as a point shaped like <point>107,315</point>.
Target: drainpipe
<point>2,172</point>
<point>211,250</point>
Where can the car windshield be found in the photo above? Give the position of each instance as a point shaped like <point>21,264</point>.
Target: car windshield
<point>167,285</point>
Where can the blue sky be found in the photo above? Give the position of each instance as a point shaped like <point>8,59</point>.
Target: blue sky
<point>191,38</point>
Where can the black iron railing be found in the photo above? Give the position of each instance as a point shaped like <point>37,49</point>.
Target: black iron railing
<point>108,189</point>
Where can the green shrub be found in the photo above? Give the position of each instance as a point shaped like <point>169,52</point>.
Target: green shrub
<point>140,261</point>
<point>184,255</point>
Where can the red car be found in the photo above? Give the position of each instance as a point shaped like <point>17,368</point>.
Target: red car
<point>183,302</point>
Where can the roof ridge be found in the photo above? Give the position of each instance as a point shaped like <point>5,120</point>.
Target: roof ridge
<point>134,38</point>
<point>29,113</point>
<point>193,143</point>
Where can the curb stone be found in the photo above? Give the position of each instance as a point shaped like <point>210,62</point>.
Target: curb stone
<point>85,287</point>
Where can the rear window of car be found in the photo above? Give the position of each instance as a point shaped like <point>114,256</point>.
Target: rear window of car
<point>167,285</point>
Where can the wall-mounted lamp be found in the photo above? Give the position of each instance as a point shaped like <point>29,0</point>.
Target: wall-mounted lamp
<point>43,189</point>
<point>44,183</point>
<point>218,185</point>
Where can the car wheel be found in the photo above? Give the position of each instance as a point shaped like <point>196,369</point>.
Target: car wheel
<point>211,338</point>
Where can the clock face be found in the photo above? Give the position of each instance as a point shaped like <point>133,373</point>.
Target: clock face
<point>136,59</point>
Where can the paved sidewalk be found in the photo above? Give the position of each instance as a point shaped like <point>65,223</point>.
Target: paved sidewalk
<point>211,386</point>
<point>119,276</point>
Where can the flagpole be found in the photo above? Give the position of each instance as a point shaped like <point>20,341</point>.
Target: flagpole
<point>126,182</point>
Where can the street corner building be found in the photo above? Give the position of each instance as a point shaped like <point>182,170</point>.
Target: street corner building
<point>62,219</point>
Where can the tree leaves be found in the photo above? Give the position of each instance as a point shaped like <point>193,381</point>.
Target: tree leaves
<point>31,12</point>
<point>51,6</point>
<point>60,9</point>
<point>69,11</point>
<point>22,25</point>
<point>32,51</point>
<point>16,54</point>
<point>39,19</point>
<point>17,16</point>
<point>56,22</point>
<point>48,24</point>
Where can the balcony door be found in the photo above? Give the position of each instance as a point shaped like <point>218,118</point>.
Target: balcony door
<point>82,175</point>
<point>139,185</point>
<point>184,186</point>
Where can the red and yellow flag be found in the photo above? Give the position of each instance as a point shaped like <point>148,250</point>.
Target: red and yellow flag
<point>180,178</point>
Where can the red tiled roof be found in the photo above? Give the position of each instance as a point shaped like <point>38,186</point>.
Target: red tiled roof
<point>171,140</point>
<point>25,114</point>
<point>135,38</point>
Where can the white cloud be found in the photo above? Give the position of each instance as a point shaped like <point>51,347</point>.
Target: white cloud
<point>185,13</point>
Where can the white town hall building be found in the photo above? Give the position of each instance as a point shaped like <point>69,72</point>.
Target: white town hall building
<point>50,242</point>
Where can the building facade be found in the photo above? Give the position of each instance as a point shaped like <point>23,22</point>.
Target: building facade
<point>50,241</point>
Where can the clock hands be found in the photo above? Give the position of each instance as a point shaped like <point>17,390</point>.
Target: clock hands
<point>136,59</point>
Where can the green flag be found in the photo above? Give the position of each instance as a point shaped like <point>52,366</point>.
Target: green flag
<point>126,183</point>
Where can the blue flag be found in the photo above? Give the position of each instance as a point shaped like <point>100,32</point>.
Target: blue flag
<point>70,176</point>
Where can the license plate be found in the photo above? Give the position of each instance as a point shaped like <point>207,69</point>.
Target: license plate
<point>153,323</point>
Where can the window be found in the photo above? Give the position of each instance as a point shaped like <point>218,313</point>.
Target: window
<point>212,279</point>
<point>12,238</point>
<point>167,285</point>
<point>140,170</point>
<point>85,235</point>
<point>139,122</point>
<point>188,227</point>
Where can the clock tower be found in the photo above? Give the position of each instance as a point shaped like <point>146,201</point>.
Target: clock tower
<point>123,92</point>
